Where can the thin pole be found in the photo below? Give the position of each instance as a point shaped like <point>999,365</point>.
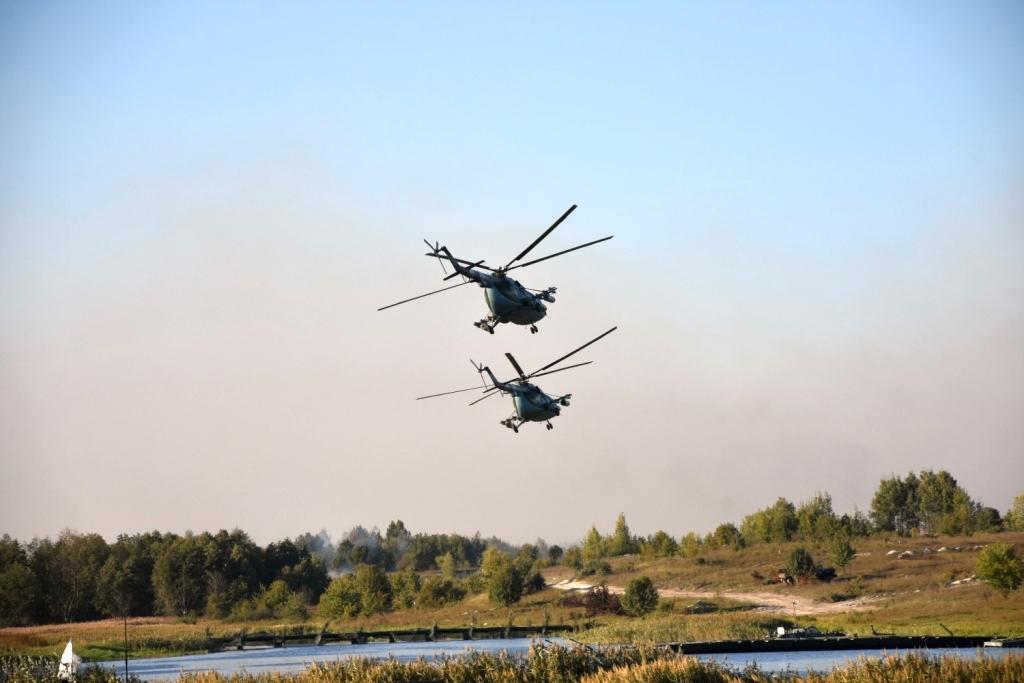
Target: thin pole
<point>126,645</point>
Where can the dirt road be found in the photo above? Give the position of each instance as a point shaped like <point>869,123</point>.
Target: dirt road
<point>767,602</point>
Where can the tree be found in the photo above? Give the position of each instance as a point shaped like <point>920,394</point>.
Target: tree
<point>438,592</point>
<point>727,535</point>
<point>504,582</point>
<point>840,552</point>
<point>593,546</point>
<point>641,597</point>
<point>691,545</point>
<point>943,507</point>
<point>574,558</point>
<point>16,584</point>
<point>815,518</point>
<point>775,524</point>
<point>987,519</point>
<point>1014,519</point>
<point>999,567</point>
<point>800,563</point>
<point>446,563</point>
<point>894,505</point>
<point>405,585</point>
<point>67,571</point>
<point>662,545</point>
<point>179,579</point>
<point>374,589</point>
<point>341,599</point>
<point>555,554</point>
<point>621,542</point>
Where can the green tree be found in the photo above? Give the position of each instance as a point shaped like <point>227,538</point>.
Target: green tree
<point>775,524</point>
<point>593,546</point>
<point>504,582</point>
<point>179,579</point>
<point>727,536</point>
<point>374,589</point>
<point>691,545</point>
<point>574,558</point>
<point>341,599</point>
<point>894,506</point>
<point>77,560</point>
<point>999,567</point>
<point>1014,519</point>
<point>944,507</point>
<point>815,518</point>
<point>438,592</point>
<point>800,563</point>
<point>405,586</point>
<point>641,597</point>
<point>446,563</point>
<point>555,553</point>
<point>16,584</point>
<point>840,552</point>
<point>988,520</point>
<point>621,541</point>
<point>662,545</point>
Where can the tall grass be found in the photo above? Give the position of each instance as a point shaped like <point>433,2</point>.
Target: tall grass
<point>28,669</point>
<point>908,669</point>
<point>552,664</point>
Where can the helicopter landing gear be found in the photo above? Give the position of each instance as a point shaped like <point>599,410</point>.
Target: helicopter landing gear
<point>511,424</point>
<point>550,426</point>
<point>533,329</point>
<point>487,324</point>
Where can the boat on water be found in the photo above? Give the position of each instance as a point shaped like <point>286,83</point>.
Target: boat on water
<point>69,662</point>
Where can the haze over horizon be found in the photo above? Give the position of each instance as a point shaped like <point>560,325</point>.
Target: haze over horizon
<point>817,270</point>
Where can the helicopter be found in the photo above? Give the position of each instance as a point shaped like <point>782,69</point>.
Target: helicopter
<point>530,403</point>
<point>508,300</point>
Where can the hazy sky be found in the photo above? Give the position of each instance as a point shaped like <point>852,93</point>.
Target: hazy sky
<point>818,268</point>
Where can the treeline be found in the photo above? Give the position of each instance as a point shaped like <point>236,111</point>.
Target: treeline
<point>79,577</point>
<point>924,503</point>
<point>226,575</point>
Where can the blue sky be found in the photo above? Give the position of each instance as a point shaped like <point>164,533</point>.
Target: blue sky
<point>790,184</point>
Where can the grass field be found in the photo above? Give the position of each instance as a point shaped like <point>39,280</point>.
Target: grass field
<point>904,596</point>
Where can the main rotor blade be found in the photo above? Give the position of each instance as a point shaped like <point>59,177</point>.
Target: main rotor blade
<point>445,393</point>
<point>462,261</point>
<point>436,291</point>
<point>567,367</point>
<point>544,234</point>
<point>597,338</point>
<point>487,396</point>
<point>522,375</point>
<point>559,253</point>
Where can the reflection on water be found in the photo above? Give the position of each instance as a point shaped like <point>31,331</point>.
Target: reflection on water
<point>297,658</point>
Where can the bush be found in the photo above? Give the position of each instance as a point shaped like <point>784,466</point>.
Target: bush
<point>534,582</point>
<point>597,600</point>
<point>800,563</point>
<point>999,567</point>
<point>437,592</point>
<point>341,599</point>
<point>641,597</point>
<point>505,584</point>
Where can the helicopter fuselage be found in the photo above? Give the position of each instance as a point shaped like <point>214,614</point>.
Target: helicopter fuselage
<point>510,302</point>
<point>533,405</point>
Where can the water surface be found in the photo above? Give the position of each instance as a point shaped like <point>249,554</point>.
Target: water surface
<point>296,658</point>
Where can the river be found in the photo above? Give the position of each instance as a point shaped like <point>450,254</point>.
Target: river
<point>292,659</point>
